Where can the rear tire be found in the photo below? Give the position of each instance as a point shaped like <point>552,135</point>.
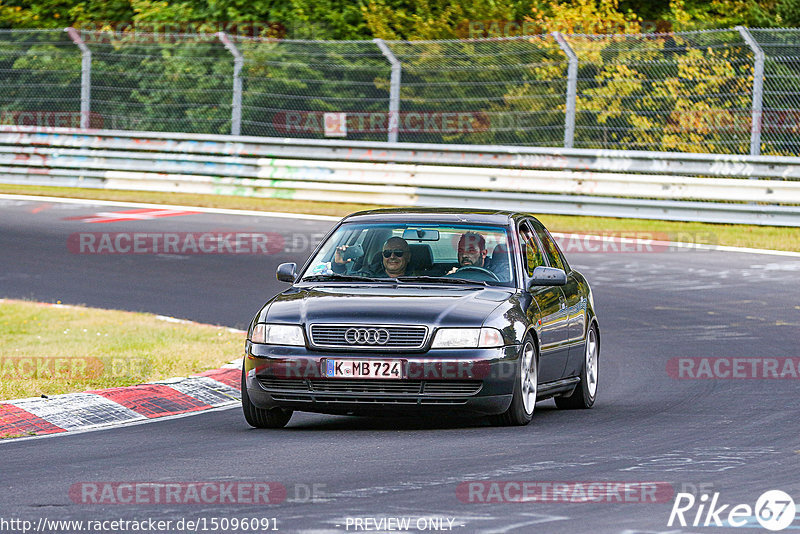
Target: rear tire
<point>585,393</point>
<point>260,417</point>
<point>526,387</point>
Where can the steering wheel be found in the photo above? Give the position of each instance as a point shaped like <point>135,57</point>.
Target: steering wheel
<point>477,270</point>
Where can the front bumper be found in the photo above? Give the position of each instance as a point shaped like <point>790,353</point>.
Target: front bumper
<point>478,381</point>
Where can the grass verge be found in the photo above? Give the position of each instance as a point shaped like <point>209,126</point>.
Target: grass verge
<point>763,237</point>
<point>52,349</point>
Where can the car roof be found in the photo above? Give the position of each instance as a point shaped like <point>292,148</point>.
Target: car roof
<point>447,215</point>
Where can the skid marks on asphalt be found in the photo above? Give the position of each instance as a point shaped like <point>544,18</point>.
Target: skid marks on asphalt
<point>698,460</point>
<point>416,485</point>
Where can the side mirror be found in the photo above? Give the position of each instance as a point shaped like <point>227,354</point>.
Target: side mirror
<point>547,276</point>
<point>286,272</point>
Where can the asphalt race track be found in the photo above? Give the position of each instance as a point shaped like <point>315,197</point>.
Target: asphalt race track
<point>699,434</point>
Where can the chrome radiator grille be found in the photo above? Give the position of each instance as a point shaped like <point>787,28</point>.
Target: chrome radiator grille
<point>368,337</point>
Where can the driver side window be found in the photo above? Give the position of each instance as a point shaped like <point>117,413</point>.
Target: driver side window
<point>533,256</point>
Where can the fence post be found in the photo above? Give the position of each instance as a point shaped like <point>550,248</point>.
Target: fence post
<point>238,62</point>
<point>86,76</point>
<point>758,91</point>
<point>572,89</point>
<point>394,91</point>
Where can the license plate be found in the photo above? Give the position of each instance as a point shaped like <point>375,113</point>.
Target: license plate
<point>363,369</point>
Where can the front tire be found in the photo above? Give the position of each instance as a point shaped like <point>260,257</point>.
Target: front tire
<point>260,417</point>
<point>526,387</point>
<point>585,393</point>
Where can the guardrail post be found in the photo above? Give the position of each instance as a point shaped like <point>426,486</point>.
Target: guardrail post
<point>572,89</point>
<point>758,90</point>
<point>238,63</point>
<point>86,76</point>
<point>394,90</point>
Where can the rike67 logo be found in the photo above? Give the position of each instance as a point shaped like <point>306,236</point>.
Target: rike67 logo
<point>774,510</point>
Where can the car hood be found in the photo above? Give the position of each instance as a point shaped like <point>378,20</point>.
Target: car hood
<point>431,306</point>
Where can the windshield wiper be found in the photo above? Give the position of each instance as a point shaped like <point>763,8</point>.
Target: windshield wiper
<point>446,279</point>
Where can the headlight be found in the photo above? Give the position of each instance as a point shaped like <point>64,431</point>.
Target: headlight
<point>464,338</point>
<point>278,334</point>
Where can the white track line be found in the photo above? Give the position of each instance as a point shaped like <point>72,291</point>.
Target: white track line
<point>222,211</point>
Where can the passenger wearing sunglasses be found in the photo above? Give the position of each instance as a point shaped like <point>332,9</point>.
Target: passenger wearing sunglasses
<point>395,255</point>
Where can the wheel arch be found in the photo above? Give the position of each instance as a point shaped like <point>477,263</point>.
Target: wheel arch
<point>593,322</point>
<point>535,337</point>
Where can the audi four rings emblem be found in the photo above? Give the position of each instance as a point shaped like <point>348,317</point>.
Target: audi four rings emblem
<point>367,336</point>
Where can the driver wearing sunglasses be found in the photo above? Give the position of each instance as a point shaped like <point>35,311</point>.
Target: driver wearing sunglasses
<point>395,255</point>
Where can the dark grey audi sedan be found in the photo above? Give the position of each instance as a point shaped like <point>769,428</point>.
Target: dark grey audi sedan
<point>425,311</point>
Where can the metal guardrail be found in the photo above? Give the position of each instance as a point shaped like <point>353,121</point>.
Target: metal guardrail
<point>657,185</point>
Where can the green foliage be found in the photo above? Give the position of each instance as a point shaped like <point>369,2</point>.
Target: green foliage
<point>324,19</point>
<point>391,19</point>
<point>309,19</point>
<point>438,19</point>
<point>789,13</point>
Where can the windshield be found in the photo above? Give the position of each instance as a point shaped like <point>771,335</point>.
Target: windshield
<point>423,253</point>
